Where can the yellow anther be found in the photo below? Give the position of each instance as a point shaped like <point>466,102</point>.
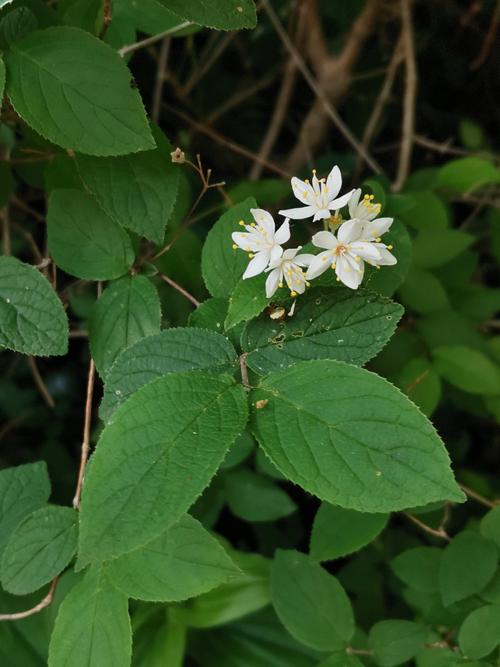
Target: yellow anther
<point>234,246</point>
<point>250,254</point>
<point>241,223</point>
<point>378,267</point>
<point>333,266</point>
<point>390,247</point>
<point>280,284</point>
<point>314,171</point>
<point>372,196</point>
<point>293,293</point>
<point>306,181</point>
<point>378,239</point>
<point>338,279</point>
<point>308,284</point>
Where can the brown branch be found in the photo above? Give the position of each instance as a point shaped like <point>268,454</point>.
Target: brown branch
<point>47,600</point>
<point>410,96</point>
<point>239,97</point>
<point>26,208</point>
<point>85,448</point>
<point>160,79</point>
<point>207,63</point>
<point>445,148</point>
<point>143,43</point>
<point>420,378</point>
<point>489,40</point>
<point>40,384</point>
<point>107,16</point>
<point>435,532</point>
<point>179,289</point>
<point>478,497</point>
<point>6,244</point>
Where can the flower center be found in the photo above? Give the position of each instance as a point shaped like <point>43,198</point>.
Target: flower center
<point>340,250</point>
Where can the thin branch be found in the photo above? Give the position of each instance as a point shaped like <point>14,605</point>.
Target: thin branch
<point>37,255</point>
<point>47,600</point>
<point>179,289</point>
<point>489,40</point>
<point>435,532</point>
<point>244,370</point>
<point>410,96</point>
<point>358,651</point>
<point>130,48</point>
<point>26,208</point>
<point>207,63</point>
<point>6,244</point>
<point>160,79</point>
<point>420,378</point>
<point>107,16</point>
<point>478,497</point>
<point>40,384</point>
<point>239,97</point>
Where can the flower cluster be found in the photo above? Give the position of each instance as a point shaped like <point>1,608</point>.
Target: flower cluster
<point>346,244</point>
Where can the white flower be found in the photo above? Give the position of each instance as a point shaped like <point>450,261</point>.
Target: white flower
<point>372,231</point>
<point>262,239</point>
<point>319,198</point>
<point>288,266</point>
<point>366,209</point>
<point>344,253</point>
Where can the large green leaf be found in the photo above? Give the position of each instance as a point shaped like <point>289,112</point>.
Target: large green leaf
<point>32,318</point>
<point>185,561</point>
<point>137,191</point>
<point>310,603</point>
<point>23,490</point>
<point>221,265</point>
<point>128,310</point>
<point>480,632</point>
<point>327,324</point>
<point>75,91</point>
<point>92,626</point>
<point>437,247</point>
<point>467,369</point>
<point>171,351</point>
<point>247,300</point>
<point>253,497</point>
<point>396,642</point>
<point>155,458</point>
<point>83,240</point>
<point>338,532</point>
<point>419,568</point>
<point>351,438</point>
<point>220,14</point>
<point>467,174</point>
<point>39,548</point>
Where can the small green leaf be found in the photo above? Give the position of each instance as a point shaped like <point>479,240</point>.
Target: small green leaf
<point>338,532</point>
<point>247,300</point>
<point>127,311</point>
<point>171,351</point>
<point>93,108</point>
<point>429,212</point>
<point>396,642</point>
<point>92,626</point>
<point>15,25</point>
<point>467,369</point>
<point>255,498</point>
<point>423,292</point>
<point>327,324</point>
<point>39,548</point>
<point>480,632</point>
<point>467,566</point>
<point>387,280</point>
<point>83,240</point>
<point>220,14</point>
<point>154,459</point>
<point>23,490</point>
<point>240,450</point>
<point>467,174</point>
<point>341,659</point>
<point>221,266</point>
<point>185,561</point>
<point>490,525</point>
<point>32,318</point>
<point>310,603</point>
<point>419,568</point>
<point>437,247</point>
<point>137,191</point>
<point>351,438</point>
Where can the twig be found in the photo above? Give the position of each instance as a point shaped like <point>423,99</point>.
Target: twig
<point>130,48</point>
<point>47,600</point>
<point>37,255</point>
<point>244,370</point>
<point>78,333</point>
<point>6,244</point>
<point>316,88</point>
<point>410,96</point>
<point>358,651</point>
<point>489,40</point>
<point>160,79</point>
<point>179,289</point>
<point>239,97</point>
<point>207,63</point>
<point>436,532</point>
<point>478,497</point>
<point>107,16</point>
<point>445,148</point>
<point>40,384</point>
<point>420,378</point>
<point>27,209</point>
<point>85,449</point>
<point>12,423</point>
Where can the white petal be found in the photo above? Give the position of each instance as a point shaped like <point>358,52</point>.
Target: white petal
<point>349,231</point>
<point>257,264</point>
<point>290,253</point>
<point>246,242</point>
<point>334,182</point>
<point>378,227</point>
<point>316,185</point>
<point>353,202</point>
<point>304,260</point>
<point>319,265</point>
<point>283,233</point>
<point>365,250</point>
<point>345,273</point>
<point>272,282</point>
<point>275,254</point>
<point>386,257</point>
<point>263,219</point>
<point>321,214</point>
<point>298,213</point>
<point>340,202</point>
<point>325,240</point>
<point>303,191</point>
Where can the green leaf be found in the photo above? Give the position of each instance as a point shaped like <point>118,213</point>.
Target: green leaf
<point>92,626</point>
<point>418,568</point>
<point>429,212</point>
<point>209,315</point>
<point>155,458</point>
<point>170,351</point>
<point>15,25</point>
<point>310,603</point>
<point>490,525</point>
<point>255,498</point>
<point>240,450</point>
<point>387,280</point>
<point>467,566</point>
<point>128,310</point>
<point>185,561</point>
<point>137,191</point>
<point>2,80</point>
<point>467,174</point>
<point>83,240</point>
<point>327,324</point>
<point>396,642</point>
<point>247,300</point>
<point>23,490</point>
<point>351,438</point>
<point>159,641</point>
<point>220,14</point>
<point>32,318</point>
<point>423,292</point>
<point>221,266</point>
<point>338,532</point>
<point>93,108</point>
<point>479,634</point>
<point>467,369</point>
<point>39,548</point>
<point>341,659</point>
<point>437,247</point>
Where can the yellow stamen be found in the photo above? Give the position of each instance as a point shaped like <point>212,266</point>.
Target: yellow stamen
<point>250,254</point>
<point>280,284</point>
<point>241,223</point>
<point>390,247</point>
<point>235,246</point>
